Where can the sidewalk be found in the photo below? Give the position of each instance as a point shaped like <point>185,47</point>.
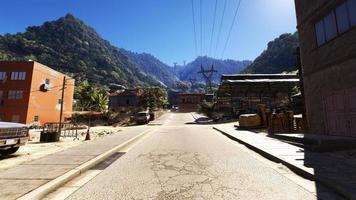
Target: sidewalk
<point>24,178</point>
<point>335,170</point>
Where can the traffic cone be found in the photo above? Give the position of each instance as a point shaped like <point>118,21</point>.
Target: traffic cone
<point>87,137</point>
<point>29,136</point>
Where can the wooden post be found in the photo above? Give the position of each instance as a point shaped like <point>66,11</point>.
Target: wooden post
<point>62,102</point>
<point>300,73</point>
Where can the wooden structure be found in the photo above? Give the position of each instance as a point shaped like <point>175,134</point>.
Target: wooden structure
<point>242,93</point>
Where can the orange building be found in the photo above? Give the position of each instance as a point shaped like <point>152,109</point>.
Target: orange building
<point>31,93</point>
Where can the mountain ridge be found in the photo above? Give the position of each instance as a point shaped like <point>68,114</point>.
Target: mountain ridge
<point>227,66</point>
<point>70,46</point>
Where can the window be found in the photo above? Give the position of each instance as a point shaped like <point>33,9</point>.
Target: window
<point>336,22</point>
<point>59,101</point>
<point>15,118</point>
<point>18,75</point>
<point>36,118</point>
<point>351,4</point>
<point>2,76</point>
<point>330,26</point>
<point>320,35</point>
<point>14,75</point>
<point>342,19</point>
<point>15,94</point>
<point>22,75</point>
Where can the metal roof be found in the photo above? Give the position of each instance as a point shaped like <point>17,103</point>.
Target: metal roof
<point>258,76</point>
<point>292,80</point>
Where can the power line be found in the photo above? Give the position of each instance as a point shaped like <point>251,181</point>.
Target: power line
<point>231,27</point>
<point>220,27</point>
<point>201,28</point>
<point>213,28</point>
<point>195,32</point>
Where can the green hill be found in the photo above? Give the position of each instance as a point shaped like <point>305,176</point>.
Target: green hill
<point>70,46</point>
<point>277,58</point>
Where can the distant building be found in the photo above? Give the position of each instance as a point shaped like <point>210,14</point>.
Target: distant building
<point>127,100</point>
<point>190,101</point>
<point>327,33</point>
<point>31,93</point>
<point>173,97</point>
<point>241,93</point>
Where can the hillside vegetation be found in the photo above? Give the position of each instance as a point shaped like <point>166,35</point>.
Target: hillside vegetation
<point>70,46</point>
<point>277,58</point>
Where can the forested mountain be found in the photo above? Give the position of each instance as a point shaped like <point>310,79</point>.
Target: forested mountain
<point>154,67</point>
<point>70,46</point>
<point>278,57</point>
<point>221,66</point>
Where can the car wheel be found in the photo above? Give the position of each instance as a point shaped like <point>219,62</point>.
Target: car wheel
<point>9,151</point>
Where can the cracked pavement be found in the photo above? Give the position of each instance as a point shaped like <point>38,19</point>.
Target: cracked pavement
<point>181,161</point>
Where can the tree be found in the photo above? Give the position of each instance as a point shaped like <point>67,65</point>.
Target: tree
<point>93,98</point>
<point>98,99</point>
<point>153,99</point>
<point>182,86</point>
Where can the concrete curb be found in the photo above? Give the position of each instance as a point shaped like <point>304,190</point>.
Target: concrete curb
<point>306,174</point>
<point>296,169</point>
<point>191,113</point>
<point>52,185</point>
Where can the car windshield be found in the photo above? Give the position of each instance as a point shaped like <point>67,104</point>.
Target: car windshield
<point>142,114</point>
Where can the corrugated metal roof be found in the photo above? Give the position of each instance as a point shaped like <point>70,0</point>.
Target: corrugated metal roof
<point>293,80</point>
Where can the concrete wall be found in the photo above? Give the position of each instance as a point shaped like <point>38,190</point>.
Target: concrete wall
<point>326,69</point>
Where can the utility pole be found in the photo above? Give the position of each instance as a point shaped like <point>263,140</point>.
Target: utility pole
<point>62,102</point>
<point>208,75</point>
<point>192,81</point>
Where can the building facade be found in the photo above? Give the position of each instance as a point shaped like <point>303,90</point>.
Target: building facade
<point>31,93</point>
<point>125,101</point>
<point>190,101</point>
<point>327,33</point>
<point>242,93</point>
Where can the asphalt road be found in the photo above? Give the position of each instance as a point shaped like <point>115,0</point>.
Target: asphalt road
<point>183,161</point>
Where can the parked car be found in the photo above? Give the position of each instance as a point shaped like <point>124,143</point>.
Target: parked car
<point>12,136</point>
<point>175,108</point>
<point>142,117</point>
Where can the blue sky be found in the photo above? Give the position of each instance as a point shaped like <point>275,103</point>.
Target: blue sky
<point>164,28</point>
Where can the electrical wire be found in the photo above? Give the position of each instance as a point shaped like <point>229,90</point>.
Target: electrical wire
<point>231,27</point>
<point>201,28</point>
<point>213,27</point>
<point>194,28</point>
<point>220,28</point>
